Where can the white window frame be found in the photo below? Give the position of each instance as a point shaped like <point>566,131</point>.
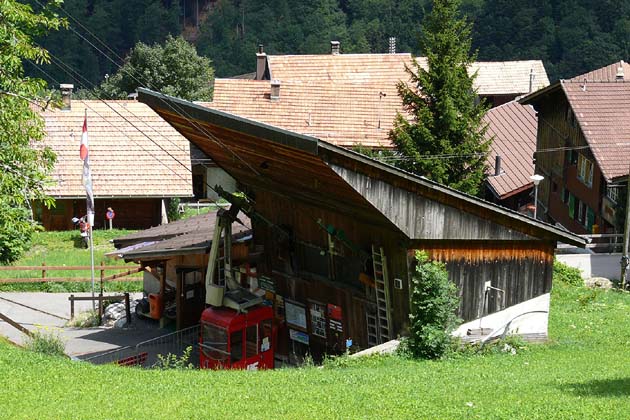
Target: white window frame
<point>612,193</point>
<point>585,170</point>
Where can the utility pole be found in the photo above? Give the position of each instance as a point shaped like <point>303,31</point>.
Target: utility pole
<point>624,257</point>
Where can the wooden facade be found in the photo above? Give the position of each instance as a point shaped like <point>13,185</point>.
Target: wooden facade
<point>321,210</point>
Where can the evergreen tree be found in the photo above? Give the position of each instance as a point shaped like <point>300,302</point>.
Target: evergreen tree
<point>24,162</point>
<point>442,138</point>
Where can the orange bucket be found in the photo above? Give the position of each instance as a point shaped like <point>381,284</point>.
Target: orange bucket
<point>156,305</point>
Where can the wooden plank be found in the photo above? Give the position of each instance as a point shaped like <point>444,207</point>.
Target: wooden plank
<point>63,268</point>
<point>57,280</point>
<point>15,324</point>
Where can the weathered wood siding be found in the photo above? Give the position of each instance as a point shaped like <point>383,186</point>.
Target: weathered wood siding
<point>522,270</point>
<point>295,281</point>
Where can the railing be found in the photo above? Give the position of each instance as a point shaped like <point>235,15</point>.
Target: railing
<point>45,269</point>
<point>602,243</point>
<point>146,352</point>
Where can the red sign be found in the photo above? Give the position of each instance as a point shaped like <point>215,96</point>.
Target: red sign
<point>334,312</point>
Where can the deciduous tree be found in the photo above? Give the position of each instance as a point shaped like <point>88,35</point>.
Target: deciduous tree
<point>442,134</point>
<point>24,162</point>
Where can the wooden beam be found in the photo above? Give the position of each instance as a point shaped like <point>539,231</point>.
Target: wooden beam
<point>15,324</point>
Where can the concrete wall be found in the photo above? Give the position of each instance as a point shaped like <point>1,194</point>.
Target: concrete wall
<point>594,265</point>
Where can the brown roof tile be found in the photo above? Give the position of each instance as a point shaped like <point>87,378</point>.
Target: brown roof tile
<point>602,110</point>
<point>605,74</point>
<point>513,128</point>
<point>124,158</point>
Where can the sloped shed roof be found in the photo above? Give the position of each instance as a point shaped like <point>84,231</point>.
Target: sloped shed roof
<point>315,171</point>
<point>133,151</point>
<point>513,128</point>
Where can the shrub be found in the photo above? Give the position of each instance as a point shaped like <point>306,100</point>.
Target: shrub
<point>434,301</point>
<point>172,361</point>
<point>565,274</point>
<point>46,343</point>
<point>173,209</point>
<point>86,319</point>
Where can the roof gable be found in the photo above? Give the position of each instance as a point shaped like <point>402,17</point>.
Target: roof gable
<point>133,151</point>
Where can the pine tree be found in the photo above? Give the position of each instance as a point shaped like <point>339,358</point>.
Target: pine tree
<point>442,137</point>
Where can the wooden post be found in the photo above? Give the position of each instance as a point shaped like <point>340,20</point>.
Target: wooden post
<point>71,299</point>
<point>44,270</point>
<point>102,274</point>
<point>100,308</point>
<point>127,308</point>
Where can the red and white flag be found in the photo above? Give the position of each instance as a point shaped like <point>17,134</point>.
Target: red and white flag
<point>84,153</point>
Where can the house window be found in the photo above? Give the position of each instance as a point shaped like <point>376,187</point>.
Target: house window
<point>581,211</point>
<point>612,193</point>
<point>318,319</point>
<point>585,170</point>
<point>565,195</point>
<point>570,117</point>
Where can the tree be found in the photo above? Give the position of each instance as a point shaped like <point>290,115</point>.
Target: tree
<point>24,162</point>
<point>173,68</point>
<point>444,137</point>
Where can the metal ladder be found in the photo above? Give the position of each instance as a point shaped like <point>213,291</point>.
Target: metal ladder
<point>381,287</point>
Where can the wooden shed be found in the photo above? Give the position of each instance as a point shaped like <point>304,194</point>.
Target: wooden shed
<point>337,231</point>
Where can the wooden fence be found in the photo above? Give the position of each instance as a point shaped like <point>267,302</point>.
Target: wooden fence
<point>45,269</point>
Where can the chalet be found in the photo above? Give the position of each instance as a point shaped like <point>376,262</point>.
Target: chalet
<point>583,144</point>
<point>136,158</point>
<point>351,100</point>
<point>334,235</point>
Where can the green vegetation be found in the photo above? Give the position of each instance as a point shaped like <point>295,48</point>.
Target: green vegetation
<point>173,68</point>
<point>581,373</point>
<point>434,301</point>
<point>567,275</point>
<point>65,248</point>
<point>45,342</point>
<point>24,162</point>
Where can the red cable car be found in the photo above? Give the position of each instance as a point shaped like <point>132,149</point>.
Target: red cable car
<point>233,340</point>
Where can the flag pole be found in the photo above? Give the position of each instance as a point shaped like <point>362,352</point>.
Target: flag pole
<point>92,265</point>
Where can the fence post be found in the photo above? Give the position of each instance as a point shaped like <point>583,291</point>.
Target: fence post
<point>102,274</point>
<point>44,270</point>
<point>71,298</point>
<point>100,308</point>
<point>127,308</point>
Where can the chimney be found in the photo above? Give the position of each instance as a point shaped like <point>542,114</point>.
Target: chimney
<point>275,90</point>
<point>620,75</point>
<point>261,63</point>
<point>392,45</point>
<point>334,47</point>
<point>497,166</point>
<point>532,76</point>
<point>66,96</point>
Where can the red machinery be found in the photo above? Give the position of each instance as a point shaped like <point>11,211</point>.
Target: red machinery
<point>237,340</point>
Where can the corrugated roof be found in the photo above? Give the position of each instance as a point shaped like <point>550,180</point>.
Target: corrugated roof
<point>191,234</point>
<point>513,128</point>
<point>602,110</point>
<point>124,158</point>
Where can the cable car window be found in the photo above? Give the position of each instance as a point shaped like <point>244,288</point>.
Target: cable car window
<point>236,345</point>
<point>251,341</point>
<point>265,335</point>
<point>214,344</point>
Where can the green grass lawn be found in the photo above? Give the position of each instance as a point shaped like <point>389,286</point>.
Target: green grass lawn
<point>65,249</point>
<point>583,373</point>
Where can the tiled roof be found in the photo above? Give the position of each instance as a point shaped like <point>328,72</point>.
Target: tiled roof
<point>605,74</point>
<point>342,114</point>
<point>602,110</point>
<point>124,158</point>
<point>339,98</point>
<point>513,128</point>
<point>509,77</point>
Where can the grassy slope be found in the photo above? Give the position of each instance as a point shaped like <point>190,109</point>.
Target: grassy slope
<point>583,373</point>
<point>65,248</point>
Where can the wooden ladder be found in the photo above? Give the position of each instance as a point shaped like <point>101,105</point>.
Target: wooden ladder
<point>381,287</point>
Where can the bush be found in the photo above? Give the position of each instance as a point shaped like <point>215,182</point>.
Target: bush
<point>46,343</point>
<point>567,275</point>
<point>172,361</point>
<point>85,319</point>
<point>434,302</point>
<point>172,210</point>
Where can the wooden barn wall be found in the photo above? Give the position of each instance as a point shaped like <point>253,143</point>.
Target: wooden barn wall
<point>138,213</point>
<point>293,283</point>
<point>522,270</point>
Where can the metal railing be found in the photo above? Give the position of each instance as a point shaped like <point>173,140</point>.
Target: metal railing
<point>173,343</point>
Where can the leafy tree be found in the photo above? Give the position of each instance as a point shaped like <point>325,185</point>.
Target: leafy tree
<point>444,138</point>
<point>24,162</point>
<point>173,68</point>
<point>434,302</point>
